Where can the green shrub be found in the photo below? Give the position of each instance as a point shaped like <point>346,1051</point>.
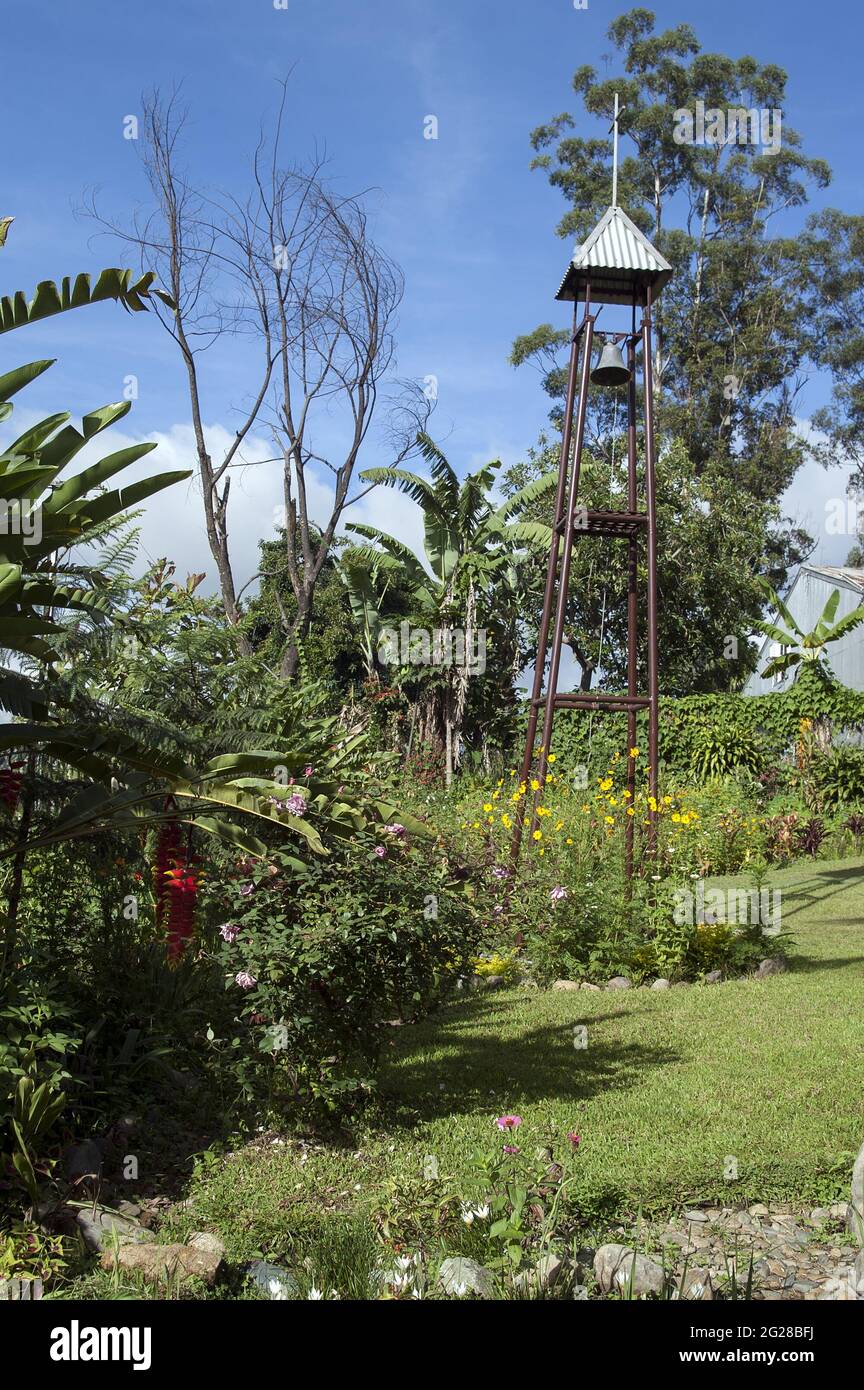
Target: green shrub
<point>839,778</point>
<point>320,964</point>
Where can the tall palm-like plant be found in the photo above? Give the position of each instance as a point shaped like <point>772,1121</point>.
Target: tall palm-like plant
<point>798,648</point>
<point>469,550</point>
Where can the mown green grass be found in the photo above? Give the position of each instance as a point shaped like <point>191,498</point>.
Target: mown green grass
<point>670,1085</point>
<point>766,1071</point>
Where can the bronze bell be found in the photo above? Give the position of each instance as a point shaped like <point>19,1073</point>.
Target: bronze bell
<point>611,369</point>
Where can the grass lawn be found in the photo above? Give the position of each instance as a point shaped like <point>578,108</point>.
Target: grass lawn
<point>670,1084</point>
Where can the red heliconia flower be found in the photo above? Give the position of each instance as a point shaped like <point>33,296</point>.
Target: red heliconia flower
<point>175,871</point>
<point>10,786</point>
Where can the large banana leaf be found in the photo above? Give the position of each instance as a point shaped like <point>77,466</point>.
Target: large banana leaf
<point>50,298</point>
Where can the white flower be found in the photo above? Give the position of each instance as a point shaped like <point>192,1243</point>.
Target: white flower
<point>276,1290</point>
<point>314,1294</point>
<point>460,1290</point>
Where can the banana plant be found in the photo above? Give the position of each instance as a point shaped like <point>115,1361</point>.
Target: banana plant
<point>799,648</point>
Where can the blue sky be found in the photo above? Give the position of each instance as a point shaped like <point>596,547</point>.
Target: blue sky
<point>471,226</point>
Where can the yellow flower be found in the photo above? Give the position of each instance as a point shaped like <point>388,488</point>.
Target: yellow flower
<point>552,757</point>
<point>535,785</point>
<point>559,825</point>
<point>538,835</point>
<point>630,811</point>
<point>506,822</point>
<point>476,825</point>
<point>610,820</point>
<point>613,801</point>
<point>606,784</point>
<point>676,818</point>
<point>587,810</point>
<point>500,782</point>
<point>634,752</point>
<point>667,801</point>
<point>625,796</point>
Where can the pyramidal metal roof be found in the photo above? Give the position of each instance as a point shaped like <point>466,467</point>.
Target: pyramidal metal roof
<point>618,262</point>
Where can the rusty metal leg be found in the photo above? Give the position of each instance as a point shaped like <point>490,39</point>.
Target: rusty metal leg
<point>632,604</point>
<point>551,577</point>
<point>561,610</point>
<point>651,505</point>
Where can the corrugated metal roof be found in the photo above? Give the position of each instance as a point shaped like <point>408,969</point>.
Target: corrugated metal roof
<point>617,260</point>
<point>840,573</point>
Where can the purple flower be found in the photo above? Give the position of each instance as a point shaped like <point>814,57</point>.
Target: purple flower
<point>498,872</point>
<point>229,932</point>
<point>308,770</point>
<point>575,1140</point>
<point>558,894</point>
<point>246,889</point>
<point>380,851</point>
<point>511,1148</point>
<point>245,980</point>
<point>395,829</point>
<point>295,805</point>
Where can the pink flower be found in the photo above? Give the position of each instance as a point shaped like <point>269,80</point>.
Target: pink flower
<point>498,872</point>
<point>229,932</point>
<point>244,979</point>
<point>295,805</point>
<point>509,1121</point>
<point>511,1149</point>
<point>380,851</point>
<point>246,889</point>
<point>307,771</point>
<point>395,829</point>
<point>558,894</point>
<point>575,1141</point>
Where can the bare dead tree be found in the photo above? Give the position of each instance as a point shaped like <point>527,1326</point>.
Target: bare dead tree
<point>291,265</point>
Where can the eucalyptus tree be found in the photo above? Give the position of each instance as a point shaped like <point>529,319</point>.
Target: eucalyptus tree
<point>730,335</point>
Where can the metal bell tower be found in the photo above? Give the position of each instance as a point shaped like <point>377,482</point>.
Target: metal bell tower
<point>616,265</point>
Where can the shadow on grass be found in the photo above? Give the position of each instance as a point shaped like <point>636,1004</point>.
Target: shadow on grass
<point>480,1057</point>
<point>819,888</point>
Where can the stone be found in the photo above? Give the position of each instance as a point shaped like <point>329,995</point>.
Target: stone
<point>714,977</point>
<point>157,1264</point>
<point>206,1240</point>
<point>566,985</point>
<point>695,1216</point>
<point>819,1215</point>
<point>759,1209</point>
<point>773,965</point>
<point>661,984</point>
<point>589,988</point>
<point>545,1274</point>
<point>279,1284</point>
<point>460,1276</point>
<point>854,1218</point>
<point>619,982</point>
<point>619,1267</point>
<point>495,982</point>
<point>696,1286</point>
<point>104,1228</point>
